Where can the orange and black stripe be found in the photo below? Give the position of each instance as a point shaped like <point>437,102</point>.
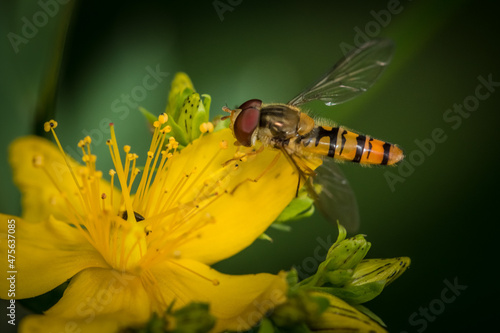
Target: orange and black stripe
<point>342,144</point>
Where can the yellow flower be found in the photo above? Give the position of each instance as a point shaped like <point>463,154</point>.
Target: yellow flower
<point>132,253</point>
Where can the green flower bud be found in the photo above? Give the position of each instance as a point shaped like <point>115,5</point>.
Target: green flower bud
<point>342,317</point>
<point>186,111</point>
<point>339,277</point>
<point>367,279</point>
<point>194,317</point>
<point>373,270</point>
<point>355,294</point>
<point>300,307</point>
<point>344,254</point>
<point>347,253</point>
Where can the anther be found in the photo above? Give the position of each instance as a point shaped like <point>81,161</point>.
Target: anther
<point>51,124</point>
<point>223,144</point>
<point>163,118</point>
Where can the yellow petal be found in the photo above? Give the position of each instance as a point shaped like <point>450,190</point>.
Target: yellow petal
<point>40,197</point>
<point>100,293</point>
<point>241,217</point>
<point>46,255</point>
<point>341,317</point>
<point>238,301</point>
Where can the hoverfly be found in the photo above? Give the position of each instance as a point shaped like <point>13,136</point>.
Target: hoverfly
<point>288,128</point>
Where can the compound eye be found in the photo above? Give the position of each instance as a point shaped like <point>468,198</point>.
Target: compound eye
<point>253,103</point>
<point>245,124</point>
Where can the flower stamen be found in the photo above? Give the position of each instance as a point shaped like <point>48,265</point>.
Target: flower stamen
<point>50,126</point>
<point>115,156</point>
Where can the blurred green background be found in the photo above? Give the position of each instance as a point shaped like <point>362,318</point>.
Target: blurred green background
<point>440,212</point>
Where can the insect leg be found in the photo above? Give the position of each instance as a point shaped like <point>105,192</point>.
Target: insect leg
<point>256,179</point>
<point>303,170</point>
<point>240,156</point>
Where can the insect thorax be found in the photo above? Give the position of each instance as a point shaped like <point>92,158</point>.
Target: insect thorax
<point>278,122</point>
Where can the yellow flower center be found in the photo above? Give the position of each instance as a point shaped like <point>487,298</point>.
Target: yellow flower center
<point>133,232</point>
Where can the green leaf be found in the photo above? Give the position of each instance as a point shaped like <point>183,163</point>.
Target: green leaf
<point>300,207</point>
<point>220,124</point>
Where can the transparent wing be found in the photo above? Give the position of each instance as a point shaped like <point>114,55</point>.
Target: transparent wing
<point>334,196</point>
<point>351,76</point>
<point>329,188</point>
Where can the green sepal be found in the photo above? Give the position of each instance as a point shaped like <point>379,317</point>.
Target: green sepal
<point>199,116</point>
<point>281,227</point>
<point>177,132</point>
<point>292,277</point>
<point>151,118</point>
<point>207,101</point>
<point>355,294</point>
<point>220,124</point>
<point>339,277</point>
<point>265,237</point>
